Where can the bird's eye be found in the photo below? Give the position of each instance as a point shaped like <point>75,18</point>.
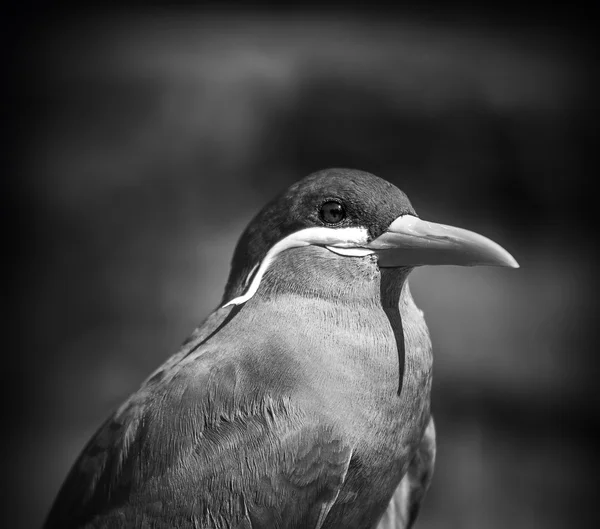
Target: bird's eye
<point>332,212</point>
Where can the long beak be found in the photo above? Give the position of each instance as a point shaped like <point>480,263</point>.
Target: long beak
<point>410,241</point>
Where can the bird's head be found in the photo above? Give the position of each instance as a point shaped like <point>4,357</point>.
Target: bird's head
<point>352,214</point>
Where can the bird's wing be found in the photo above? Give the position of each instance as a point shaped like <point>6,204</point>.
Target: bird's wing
<point>406,501</point>
<point>198,446</point>
<point>112,440</point>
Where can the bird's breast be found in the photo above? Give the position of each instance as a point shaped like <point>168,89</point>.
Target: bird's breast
<point>363,367</point>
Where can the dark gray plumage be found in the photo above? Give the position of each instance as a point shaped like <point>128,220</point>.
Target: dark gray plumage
<point>303,402</point>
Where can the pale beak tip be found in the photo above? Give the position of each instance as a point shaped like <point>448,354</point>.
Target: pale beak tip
<point>513,264</point>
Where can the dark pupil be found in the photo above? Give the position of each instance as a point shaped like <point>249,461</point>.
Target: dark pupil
<point>332,212</point>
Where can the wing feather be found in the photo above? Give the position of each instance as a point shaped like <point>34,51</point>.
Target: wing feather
<point>406,501</point>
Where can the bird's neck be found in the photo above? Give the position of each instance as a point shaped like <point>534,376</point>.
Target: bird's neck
<point>346,305</point>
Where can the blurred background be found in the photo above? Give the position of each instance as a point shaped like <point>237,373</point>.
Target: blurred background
<point>141,142</point>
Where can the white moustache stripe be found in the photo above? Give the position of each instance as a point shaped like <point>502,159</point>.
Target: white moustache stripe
<point>343,241</point>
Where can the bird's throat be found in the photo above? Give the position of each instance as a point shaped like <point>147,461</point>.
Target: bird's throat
<point>316,272</point>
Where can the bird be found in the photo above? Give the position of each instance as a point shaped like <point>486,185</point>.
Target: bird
<point>303,400</point>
